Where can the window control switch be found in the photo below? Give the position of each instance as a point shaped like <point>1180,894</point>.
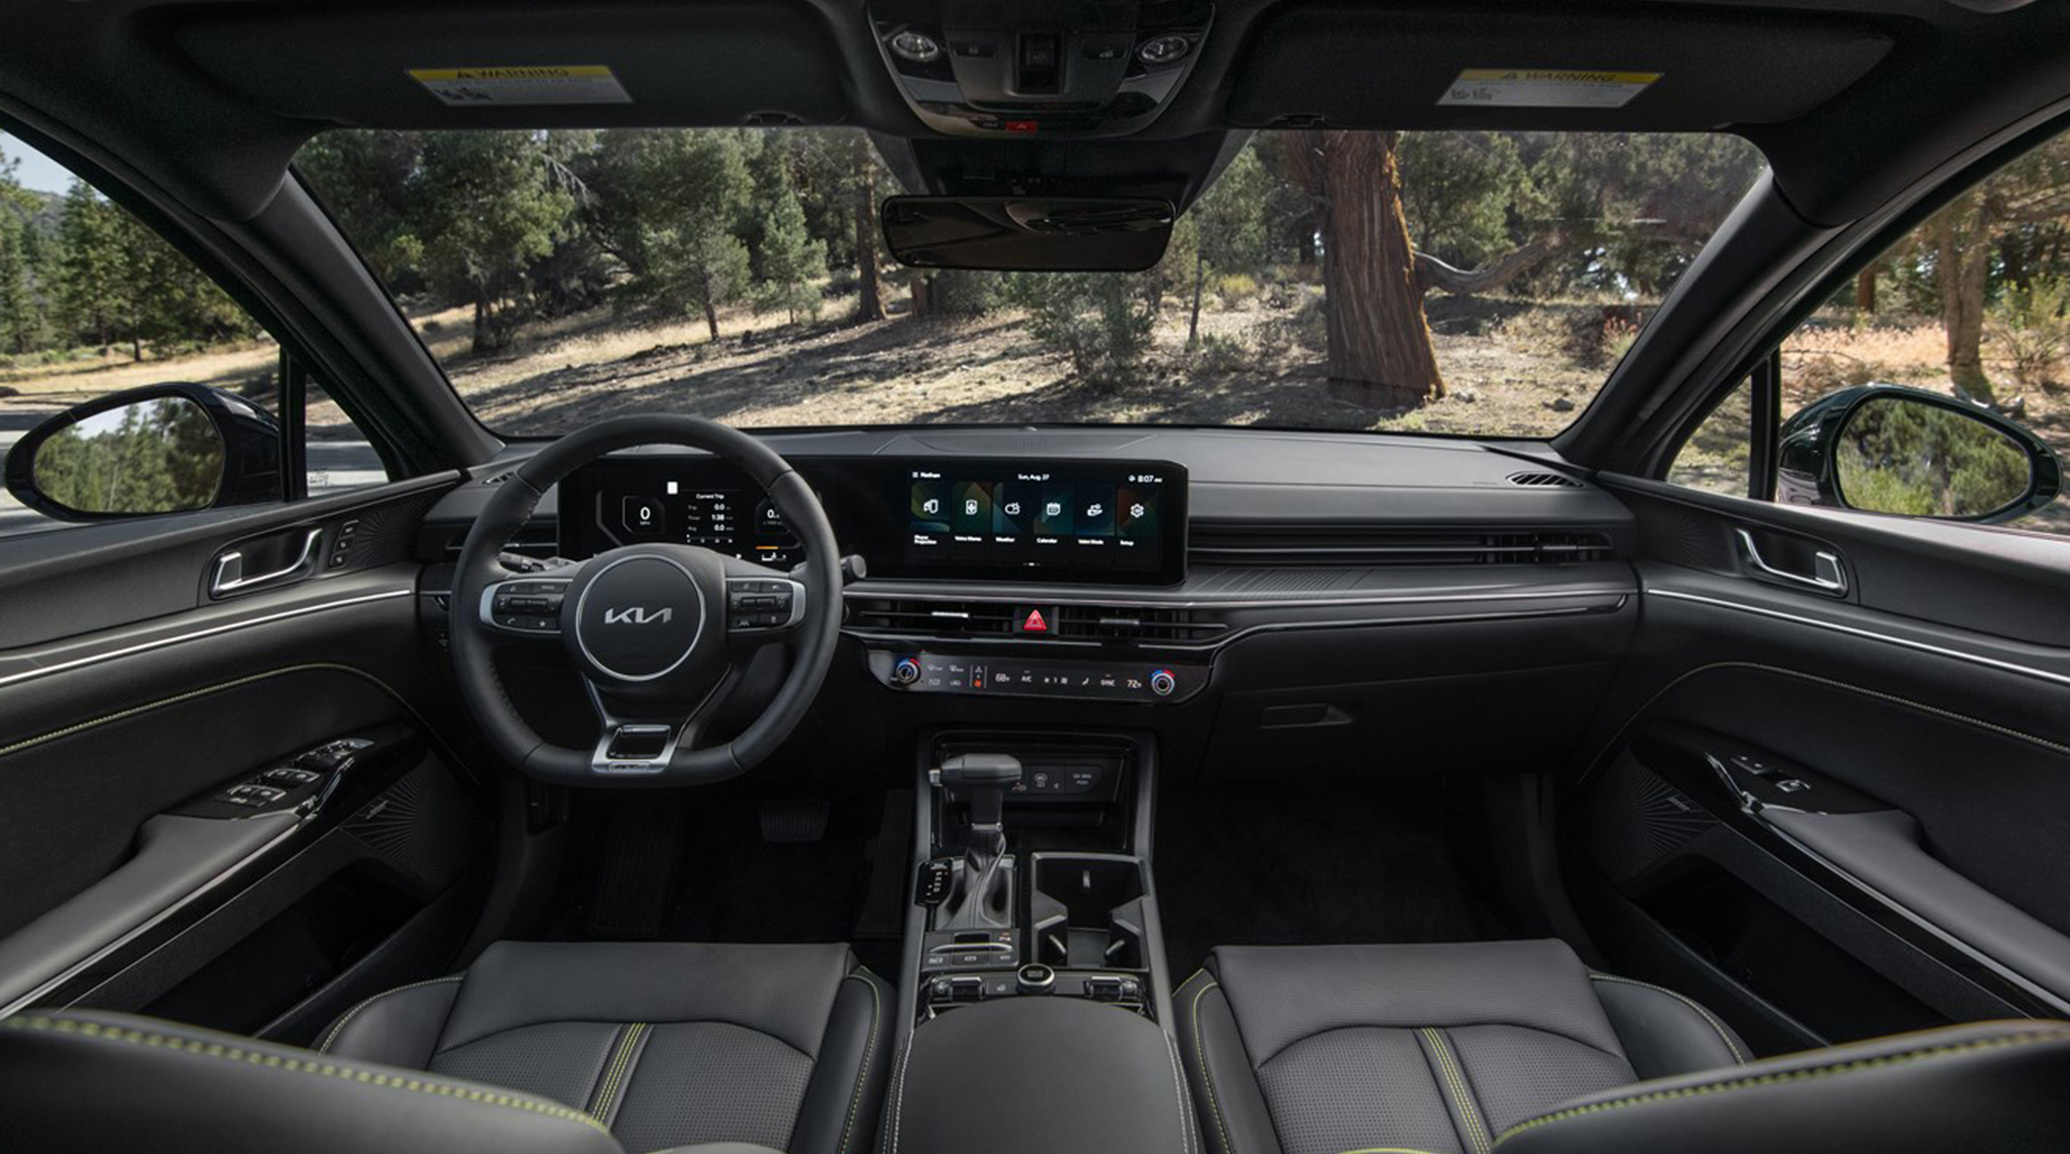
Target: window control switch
<point>290,777</point>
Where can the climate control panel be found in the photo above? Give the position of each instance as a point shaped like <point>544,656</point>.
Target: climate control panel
<point>925,671</point>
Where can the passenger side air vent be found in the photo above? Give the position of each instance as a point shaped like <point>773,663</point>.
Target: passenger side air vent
<point>1544,481</point>
<point>1134,623</point>
<point>917,616</point>
<point>1306,545</point>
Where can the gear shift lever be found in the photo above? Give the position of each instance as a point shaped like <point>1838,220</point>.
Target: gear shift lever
<point>985,900</point>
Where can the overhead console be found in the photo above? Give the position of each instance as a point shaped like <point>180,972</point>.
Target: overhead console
<point>1038,68</point>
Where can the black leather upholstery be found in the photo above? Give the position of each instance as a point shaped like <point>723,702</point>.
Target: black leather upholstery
<point>76,1083</point>
<point>669,1044</point>
<point>1039,1076</point>
<point>550,1048</point>
<point>1991,1088</point>
<point>1438,1048</point>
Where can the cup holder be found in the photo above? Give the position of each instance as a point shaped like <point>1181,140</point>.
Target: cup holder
<point>1088,911</point>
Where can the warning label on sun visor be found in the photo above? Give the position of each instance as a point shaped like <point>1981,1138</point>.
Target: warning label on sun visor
<point>1546,88</point>
<point>524,84</point>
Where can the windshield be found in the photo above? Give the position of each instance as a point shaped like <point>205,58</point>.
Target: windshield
<point>1453,282</point>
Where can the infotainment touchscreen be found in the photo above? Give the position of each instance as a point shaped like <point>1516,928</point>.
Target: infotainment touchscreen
<point>973,517</point>
<point>915,518</point>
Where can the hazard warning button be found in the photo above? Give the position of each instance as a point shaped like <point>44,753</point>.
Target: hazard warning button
<point>1039,619</point>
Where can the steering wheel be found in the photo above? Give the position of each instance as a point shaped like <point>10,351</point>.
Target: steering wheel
<point>660,633</point>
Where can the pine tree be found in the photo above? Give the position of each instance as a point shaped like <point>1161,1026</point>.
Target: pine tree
<point>89,265</point>
<point>792,260</point>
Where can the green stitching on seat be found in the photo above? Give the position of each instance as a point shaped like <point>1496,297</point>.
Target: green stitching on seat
<point>1788,1076</point>
<point>1387,1150</point>
<point>1472,1129</point>
<point>619,1062</point>
<point>1207,1076</point>
<point>100,1032</point>
<point>863,1077</point>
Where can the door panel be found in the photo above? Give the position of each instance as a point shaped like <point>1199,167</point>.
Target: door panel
<point>1913,871</point>
<point>126,877</point>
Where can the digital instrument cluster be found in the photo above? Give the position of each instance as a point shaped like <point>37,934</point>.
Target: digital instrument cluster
<point>948,518</point>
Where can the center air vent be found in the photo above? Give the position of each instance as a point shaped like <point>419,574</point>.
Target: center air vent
<point>911,616</point>
<point>1279,545</point>
<point>1135,623</point>
<point>1544,481</point>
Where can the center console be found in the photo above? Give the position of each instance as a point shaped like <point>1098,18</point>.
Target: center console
<point>1040,1006</point>
<point>1031,882</point>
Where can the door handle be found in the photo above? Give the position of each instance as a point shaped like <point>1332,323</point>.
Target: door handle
<point>1826,575</point>
<point>229,575</point>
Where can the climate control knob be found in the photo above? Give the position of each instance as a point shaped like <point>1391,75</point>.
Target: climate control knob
<point>906,672</point>
<point>1162,682</point>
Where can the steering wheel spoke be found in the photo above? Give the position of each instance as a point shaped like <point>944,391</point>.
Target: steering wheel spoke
<point>642,737</point>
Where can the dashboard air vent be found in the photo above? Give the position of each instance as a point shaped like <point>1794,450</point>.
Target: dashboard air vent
<point>917,616</point>
<point>1341,545</point>
<point>1134,623</point>
<point>1544,481</point>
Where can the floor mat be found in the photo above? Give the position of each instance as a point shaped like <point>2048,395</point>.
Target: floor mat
<point>1251,865</point>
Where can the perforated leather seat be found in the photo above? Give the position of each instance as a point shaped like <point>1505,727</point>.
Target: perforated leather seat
<point>546,1047</point>
<point>1324,1049</point>
<point>1516,1048</point>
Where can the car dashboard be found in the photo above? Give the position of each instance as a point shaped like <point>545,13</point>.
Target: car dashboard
<point>1287,593</point>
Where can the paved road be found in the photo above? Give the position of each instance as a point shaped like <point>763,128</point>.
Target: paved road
<point>332,465</point>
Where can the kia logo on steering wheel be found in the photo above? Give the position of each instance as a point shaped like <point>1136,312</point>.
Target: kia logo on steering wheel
<point>638,615</point>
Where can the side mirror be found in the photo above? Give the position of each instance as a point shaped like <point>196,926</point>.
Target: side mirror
<point>1891,449</point>
<point>166,448</point>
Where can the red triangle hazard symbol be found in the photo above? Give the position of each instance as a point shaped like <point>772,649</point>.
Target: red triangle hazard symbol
<point>1034,623</point>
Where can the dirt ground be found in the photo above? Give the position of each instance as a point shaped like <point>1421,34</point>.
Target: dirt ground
<point>989,370</point>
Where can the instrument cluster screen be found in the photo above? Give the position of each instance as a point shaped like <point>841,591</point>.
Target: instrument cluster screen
<point>941,518</point>
<point>681,501</point>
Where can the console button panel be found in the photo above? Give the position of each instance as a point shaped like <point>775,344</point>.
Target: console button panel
<point>1146,681</point>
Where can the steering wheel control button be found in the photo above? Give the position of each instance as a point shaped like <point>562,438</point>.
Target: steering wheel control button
<point>527,606</point>
<point>639,617</point>
<point>755,603</point>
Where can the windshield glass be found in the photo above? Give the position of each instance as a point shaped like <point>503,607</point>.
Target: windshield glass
<point>1451,282</point>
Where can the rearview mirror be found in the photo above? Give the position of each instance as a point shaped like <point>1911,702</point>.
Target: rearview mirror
<point>1890,449</point>
<point>1028,234</point>
<point>168,448</point>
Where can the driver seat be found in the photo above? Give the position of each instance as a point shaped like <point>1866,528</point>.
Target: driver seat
<point>539,1048</point>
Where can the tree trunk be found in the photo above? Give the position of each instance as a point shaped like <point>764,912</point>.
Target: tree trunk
<point>711,317</point>
<point>1962,269</point>
<point>1865,292</point>
<point>1193,317</point>
<point>869,275</point>
<point>1380,353</point>
<point>916,284</point>
<point>484,340</point>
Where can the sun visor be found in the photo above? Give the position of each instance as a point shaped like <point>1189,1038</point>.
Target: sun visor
<point>1360,65</point>
<point>436,66</point>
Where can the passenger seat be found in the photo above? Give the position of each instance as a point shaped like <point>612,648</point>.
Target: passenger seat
<point>1461,1049</point>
